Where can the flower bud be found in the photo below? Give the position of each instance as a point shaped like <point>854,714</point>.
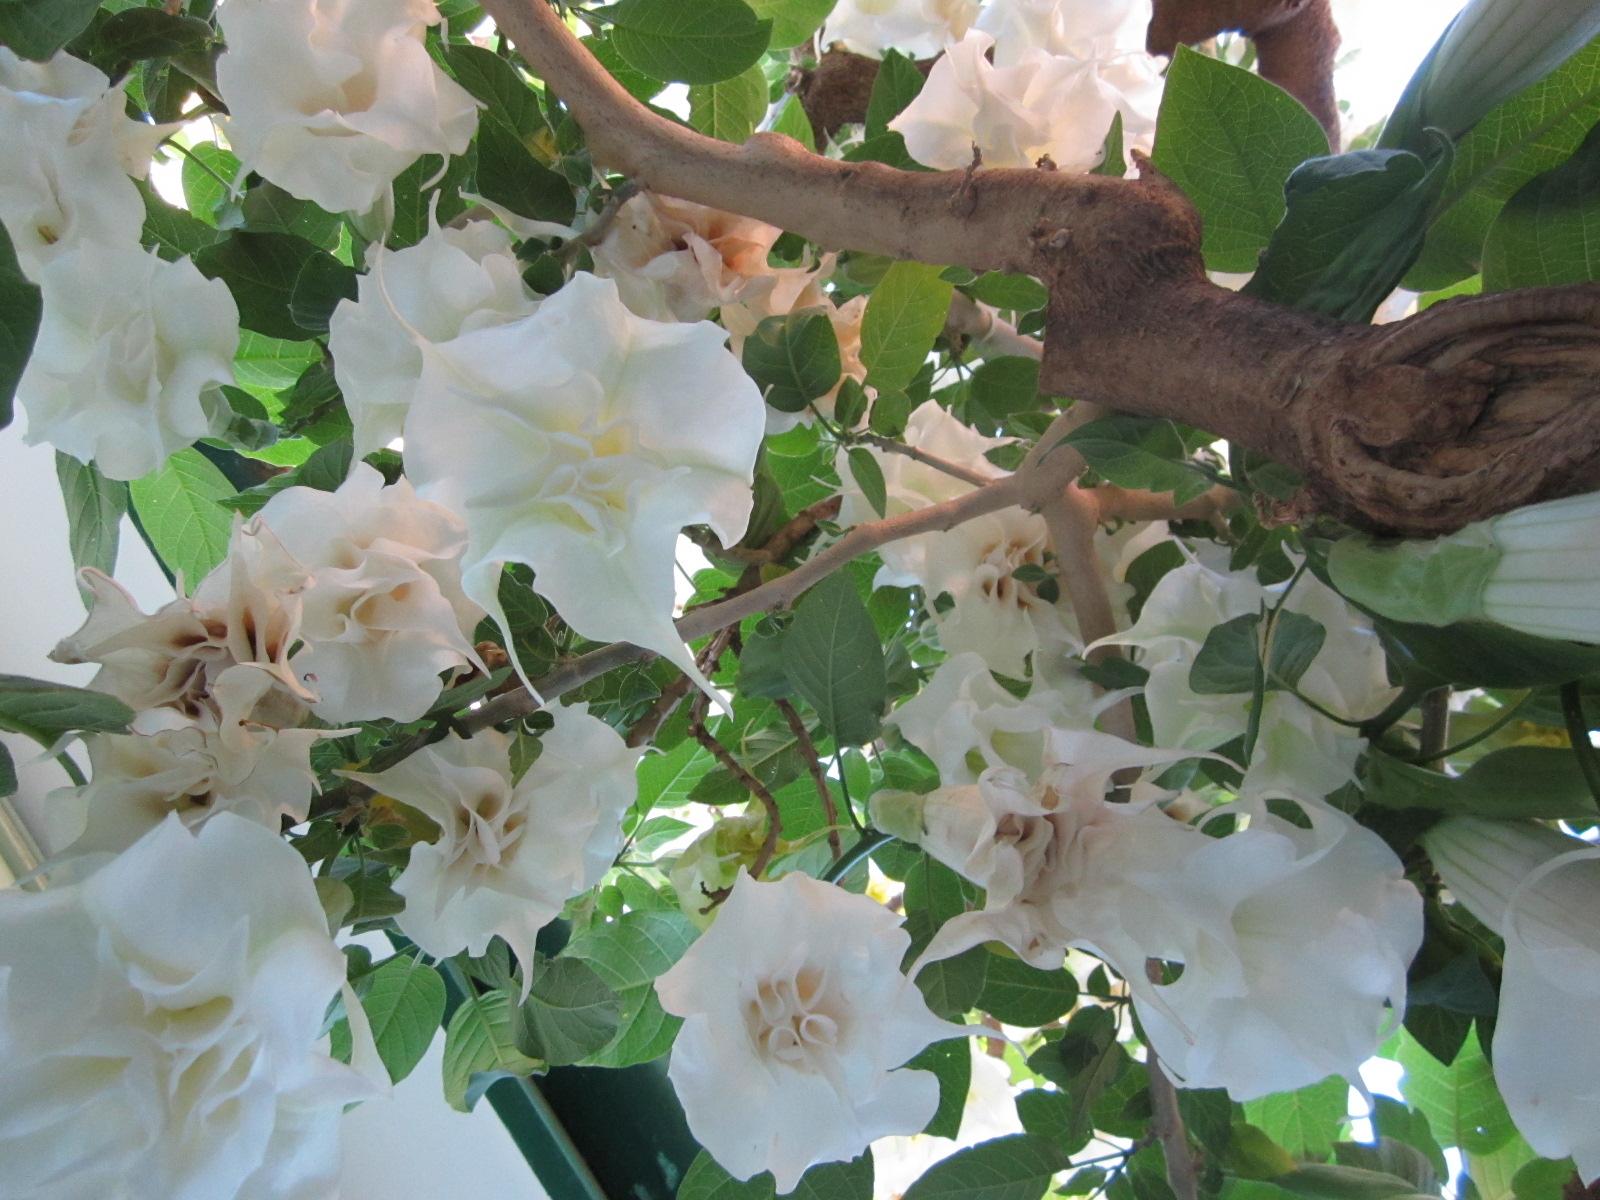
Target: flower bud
<point>711,862</point>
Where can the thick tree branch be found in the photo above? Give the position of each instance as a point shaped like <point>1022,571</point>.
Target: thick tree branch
<point>1296,43</point>
<point>1471,408</point>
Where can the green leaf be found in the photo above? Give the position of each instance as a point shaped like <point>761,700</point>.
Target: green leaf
<point>171,232</point>
<point>1526,136</point>
<point>267,208</point>
<point>1296,640</point>
<point>36,29</point>
<point>793,122</point>
<point>44,711</point>
<point>1018,293</point>
<point>1228,659</point>
<point>730,109</point>
<point>569,1014</point>
<point>510,175</point>
<point>479,1050</point>
<point>706,1180</point>
<point>864,469</point>
<point>665,780</point>
<point>836,662</point>
<point>896,85</point>
<point>1083,1062</point>
<point>1305,1122</point>
<point>1113,161</point>
<point>629,953</point>
<point>140,33</point>
<point>794,358</point>
<point>507,96</point>
<point>1229,139</point>
<point>1549,232</point>
<point>1494,1174</point>
<point>1460,1101</point>
<point>793,21</point>
<point>322,283</point>
<point>1390,1157</point>
<point>950,1062</point>
<point>404,1001</point>
<point>1517,782</point>
<point>180,507</point>
<point>1471,654</point>
<point>8,774</point>
<point>761,671</point>
<point>704,42</point>
<point>639,85</point>
<point>208,175</point>
<point>1018,994</point>
<point>1018,1167</point>
<point>260,270</point>
<point>1134,452</point>
<point>20,310</point>
<point>905,313</point>
<point>95,506</point>
<point>1004,387</point>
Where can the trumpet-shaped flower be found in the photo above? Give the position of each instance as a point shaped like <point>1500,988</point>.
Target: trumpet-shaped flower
<point>1538,890</point>
<point>332,99</point>
<point>591,437</point>
<point>69,148</point>
<point>789,1048</point>
<point>674,260</point>
<point>919,28</point>
<point>451,282</point>
<point>129,358</point>
<point>509,854</point>
<point>160,1021</point>
<point>384,614</point>
<point>1530,569</point>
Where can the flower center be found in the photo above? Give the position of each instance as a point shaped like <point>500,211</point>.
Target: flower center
<point>789,1021</point>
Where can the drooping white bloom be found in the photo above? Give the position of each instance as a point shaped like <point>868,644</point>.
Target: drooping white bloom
<point>1036,79</point>
<point>69,149</point>
<point>789,1045</point>
<point>451,282</point>
<point>384,614</point>
<point>1530,569</point>
<point>509,855</point>
<point>966,722</point>
<point>160,1019</point>
<point>918,28</point>
<point>995,615</point>
<point>580,441</point>
<point>1297,749</point>
<point>129,357</point>
<point>674,260</point>
<point>332,99</point>
<point>1538,889</point>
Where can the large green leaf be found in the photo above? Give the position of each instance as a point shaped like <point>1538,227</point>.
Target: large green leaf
<point>1461,1102</point>
<point>1526,136</point>
<point>44,711</point>
<point>20,310</point>
<point>731,108</point>
<point>706,1180</point>
<point>1136,452</point>
<point>950,1062</point>
<point>1305,1122</point>
<point>835,661</point>
<point>180,507</point>
<point>507,96</point>
<point>1018,994</point>
<point>1018,1167</point>
<point>36,29</point>
<point>1549,232</point>
<point>261,270</point>
<point>793,358</point>
<point>703,42</point>
<point>793,21</point>
<point>904,315</point>
<point>95,506</point>
<point>510,175</point>
<point>404,1002</point>
<point>479,1049</point>
<point>569,1014</point>
<point>1526,782</point>
<point>1229,139</point>
<point>629,954</point>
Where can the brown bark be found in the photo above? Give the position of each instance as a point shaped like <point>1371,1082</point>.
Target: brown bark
<point>836,91</point>
<point>1296,43</point>
<point>1474,407</point>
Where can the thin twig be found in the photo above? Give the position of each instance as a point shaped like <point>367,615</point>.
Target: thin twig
<point>959,471</point>
<point>808,750</point>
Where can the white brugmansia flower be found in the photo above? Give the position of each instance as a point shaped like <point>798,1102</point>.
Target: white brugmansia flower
<point>1297,748</point>
<point>1538,889</point>
<point>995,615</point>
<point>789,1045</point>
<point>713,861</point>
<point>385,614</point>
<point>245,613</point>
<point>223,762</point>
<point>332,99</point>
<point>129,358</point>
<point>1531,569</point>
<point>674,260</point>
<point>160,1022</point>
<point>69,148</point>
<point>966,722</point>
<point>509,855</point>
<point>451,282</point>
<point>1036,79</point>
<point>919,28</point>
<point>580,441</point>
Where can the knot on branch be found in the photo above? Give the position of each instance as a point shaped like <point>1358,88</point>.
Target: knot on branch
<point>1467,410</point>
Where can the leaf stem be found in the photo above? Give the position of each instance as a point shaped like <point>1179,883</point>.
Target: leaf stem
<point>869,841</point>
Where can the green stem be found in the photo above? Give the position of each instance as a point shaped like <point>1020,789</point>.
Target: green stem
<point>72,769</point>
<point>1505,718</point>
<point>870,840</point>
<point>1578,731</point>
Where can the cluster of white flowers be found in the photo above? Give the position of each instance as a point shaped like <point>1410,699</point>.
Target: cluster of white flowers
<point>1035,80</point>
